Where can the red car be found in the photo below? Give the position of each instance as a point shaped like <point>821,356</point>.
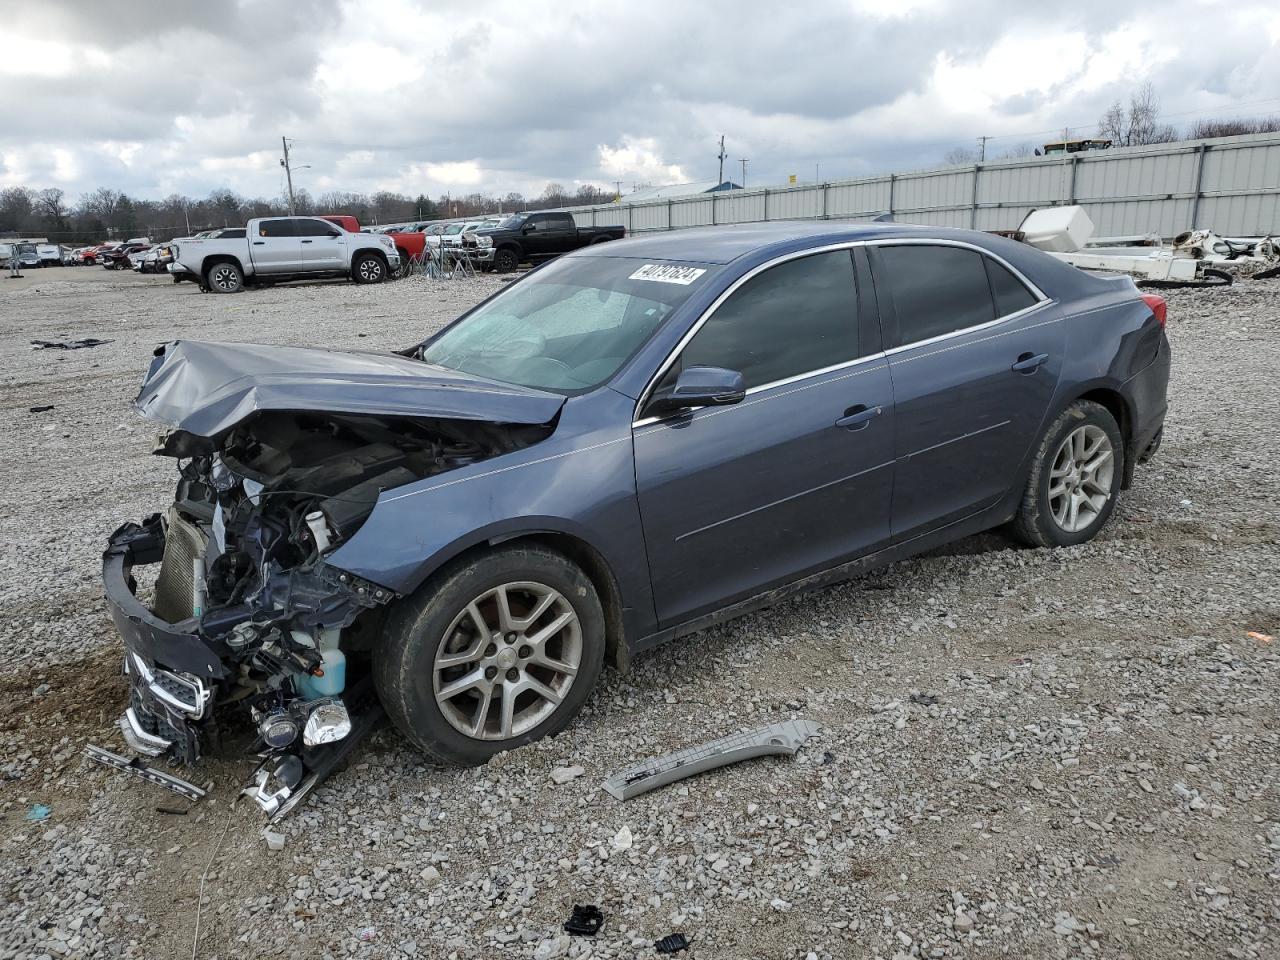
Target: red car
<point>410,245</point>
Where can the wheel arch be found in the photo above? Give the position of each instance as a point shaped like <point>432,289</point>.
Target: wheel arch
<point>1114,402</point>
<point>216,258</point>
<point>570,545</point>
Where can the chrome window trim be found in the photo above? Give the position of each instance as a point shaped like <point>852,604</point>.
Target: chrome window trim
<point>1041,300</point>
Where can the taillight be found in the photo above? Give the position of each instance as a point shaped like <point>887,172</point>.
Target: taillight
<point>1158,306</point>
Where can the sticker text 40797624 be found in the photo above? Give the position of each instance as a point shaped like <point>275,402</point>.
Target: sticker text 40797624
<point>668,273</point>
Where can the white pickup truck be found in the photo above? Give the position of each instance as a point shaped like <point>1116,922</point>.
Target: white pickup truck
<point>285,248</point>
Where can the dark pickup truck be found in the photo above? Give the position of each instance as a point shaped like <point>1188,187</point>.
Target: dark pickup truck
<point>533,238</point>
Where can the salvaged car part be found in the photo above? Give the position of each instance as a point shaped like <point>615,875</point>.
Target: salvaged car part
<point>671,943</point>
<point>585,921</point>
<point>779,738</point>
<point>137,768</point>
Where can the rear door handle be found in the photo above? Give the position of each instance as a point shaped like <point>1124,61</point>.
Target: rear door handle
<point>306,241</point>
<point>857,418</point>
<point>259,243</point>
<point>1029,363</point>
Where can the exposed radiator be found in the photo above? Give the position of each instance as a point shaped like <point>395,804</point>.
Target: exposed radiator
<point>183,543</point>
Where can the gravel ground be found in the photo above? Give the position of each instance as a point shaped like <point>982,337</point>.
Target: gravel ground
<point>1029,753</point>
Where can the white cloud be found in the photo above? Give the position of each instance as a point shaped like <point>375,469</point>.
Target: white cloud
<point>421,97</point>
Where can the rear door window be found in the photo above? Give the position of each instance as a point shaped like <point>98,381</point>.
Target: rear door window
<point>1011,294</point>
<point>792,319</point>
<point>276,228</point>
<point>935,290</point>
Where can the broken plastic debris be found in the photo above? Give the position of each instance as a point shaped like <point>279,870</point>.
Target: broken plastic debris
<point>585,921</point>
<point>671,943</point>
<point>69,344</point>
<point>1260,637</point>
<point>779,738</point>
<point>367,934</point>
<point>38,812</point>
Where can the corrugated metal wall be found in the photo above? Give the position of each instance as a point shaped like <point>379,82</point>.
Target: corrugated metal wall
<point>1230,184</point>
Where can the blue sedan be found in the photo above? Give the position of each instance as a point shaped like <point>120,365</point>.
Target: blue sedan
<point>628,444</point>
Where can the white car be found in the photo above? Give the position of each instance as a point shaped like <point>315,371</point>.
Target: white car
<point>285,248</point>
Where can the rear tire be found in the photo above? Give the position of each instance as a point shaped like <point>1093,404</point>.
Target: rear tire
<point>369,268</point>
<point>1075,479</point>
<point>224,277</point>
<point>456,712</point>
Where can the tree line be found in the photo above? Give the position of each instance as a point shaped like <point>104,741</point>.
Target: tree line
<point>1137,124</point>
<point>110,214</point>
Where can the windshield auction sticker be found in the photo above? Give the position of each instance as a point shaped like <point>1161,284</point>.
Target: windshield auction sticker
<point>668,273</point>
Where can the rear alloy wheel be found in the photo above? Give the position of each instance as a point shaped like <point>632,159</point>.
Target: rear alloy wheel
<point>225,278</point>
<point>369,268</point>
<point>505,261</point>
<point>492,655</point>
<point>1075,480</point>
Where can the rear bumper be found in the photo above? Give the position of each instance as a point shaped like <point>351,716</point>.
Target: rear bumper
<point>1147,396</point>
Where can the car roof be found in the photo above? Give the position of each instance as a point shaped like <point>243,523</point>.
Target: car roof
<point>726,243</point>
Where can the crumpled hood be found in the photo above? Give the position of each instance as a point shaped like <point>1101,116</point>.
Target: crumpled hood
<point>205,389</point>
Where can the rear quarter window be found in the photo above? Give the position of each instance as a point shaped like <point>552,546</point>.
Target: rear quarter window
<point>1010,293</point>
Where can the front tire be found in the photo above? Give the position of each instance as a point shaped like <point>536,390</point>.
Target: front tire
<point>224,278</point>
<point>1075,479</point>
<point>369,268</point>
<point>491,654</point>
<point>506,261</point>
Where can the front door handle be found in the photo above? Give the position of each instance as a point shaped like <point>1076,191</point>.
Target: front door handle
<point>259,243</point>
<point>1029,362</point>
<point>306,241</point>
<point>857,418</point>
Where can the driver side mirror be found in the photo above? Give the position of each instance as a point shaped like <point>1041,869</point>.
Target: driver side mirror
<point>700,387</point>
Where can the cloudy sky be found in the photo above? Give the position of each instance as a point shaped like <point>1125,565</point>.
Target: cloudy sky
<point>417,96</point>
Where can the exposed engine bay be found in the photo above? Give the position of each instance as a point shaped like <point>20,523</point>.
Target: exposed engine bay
<point>246,613</point>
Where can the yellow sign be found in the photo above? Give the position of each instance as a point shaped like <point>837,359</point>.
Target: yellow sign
<point>792,179</point>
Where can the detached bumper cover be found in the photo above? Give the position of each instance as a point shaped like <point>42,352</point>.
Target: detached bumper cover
<point>175,646</point>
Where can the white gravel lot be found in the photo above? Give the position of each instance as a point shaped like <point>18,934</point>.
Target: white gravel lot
<point>1028,753</point>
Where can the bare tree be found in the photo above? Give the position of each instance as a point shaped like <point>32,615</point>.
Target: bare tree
<point>1233,127</point>
<point>1140,124</point>
<point>1018,151</point>
<point>958,156</point>
<point>52,209</point>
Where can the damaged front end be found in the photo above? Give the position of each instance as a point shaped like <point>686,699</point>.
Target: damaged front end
<point>246,615</point>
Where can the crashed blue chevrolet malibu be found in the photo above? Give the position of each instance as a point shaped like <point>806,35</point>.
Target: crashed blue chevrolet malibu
<point>635,441</point>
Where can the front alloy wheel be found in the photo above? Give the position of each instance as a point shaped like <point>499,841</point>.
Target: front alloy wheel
<point>491,653</point>
<point>370,269</point>
<point>508,660</point>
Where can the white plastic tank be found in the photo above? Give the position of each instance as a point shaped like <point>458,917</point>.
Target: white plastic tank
<point>1057,229</point>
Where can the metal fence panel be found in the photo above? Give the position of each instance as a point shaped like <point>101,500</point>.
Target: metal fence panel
<point>1230,184</point>
<point>739,206</point>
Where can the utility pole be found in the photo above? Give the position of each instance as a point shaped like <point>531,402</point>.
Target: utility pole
<point>721,180</point>
<point>982,149</point>
<point>618,184</point>
<point>743,161</point>
<point>288,171</point>
<point>186,215</point>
